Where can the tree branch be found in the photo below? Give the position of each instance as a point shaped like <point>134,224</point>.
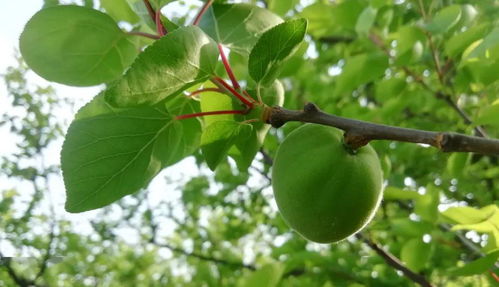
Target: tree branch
<point>359,133</point>
<point>20,281</point>
<point>393,261</point>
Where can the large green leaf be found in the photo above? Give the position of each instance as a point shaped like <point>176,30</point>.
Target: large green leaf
<point>218,137</point>
<point>273,47</point>
<point>76,46</point>
<point>237,26</point>
<point>175,62</point>
<point>109,153</point>
<point>478,266</point>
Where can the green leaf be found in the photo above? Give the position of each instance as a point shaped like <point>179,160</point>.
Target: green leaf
<point>273,47</point>
<point>109,153</point>
<point>175,62</point>
<point>76,46</point>
<point>191,128</point>
<point>478,266</point>
<point>218,137</point>
<point>237,26</point>
<point>119,10</point>
<point>366,20</point>
<point>281,7</point>
<point>489,115</point>
<point>445,19</point>
<point>427,205</point>
<point>393,193</point>
<point>359,70</point>
<point>267,276</point>
<point>456,163</point>
<point>488,48</point>
<point>469,215</point>
<point>415,254</point>
<point>408,228</point>
<point>459,42</point>
<point>213,101</point>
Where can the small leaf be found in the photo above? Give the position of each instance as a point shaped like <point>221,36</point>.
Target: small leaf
<point>237,26</point>
<point>281,7</point>
<point>445,19</point>
<point>366,20</point>
<point>213,101</point>
<point>218,137</point>
<point>76,46</point>
<point>459,42</point>
<point>273,47</point>
<point>456,163</point>
<point>469,215</point>
<point>109,153</point>
<point>175,62</point>
<point>415,254</point>
<point>478,266</point>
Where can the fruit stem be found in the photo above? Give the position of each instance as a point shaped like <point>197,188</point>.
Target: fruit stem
<point>143,34</point>
<point>206,90</point>
<point>234,92</point>
<point>202,114</point>
<point>205,7</point>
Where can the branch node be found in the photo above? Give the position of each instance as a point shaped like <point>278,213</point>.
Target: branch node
<point>310,108</point>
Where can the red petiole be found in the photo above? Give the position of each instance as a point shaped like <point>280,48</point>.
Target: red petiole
<point>205,7</point>
<point>234,92</point>
<point>226,112</point>
<point>143,34</point>
<point>156,18</point>
<point>228,69</point>
<point>159,25</point>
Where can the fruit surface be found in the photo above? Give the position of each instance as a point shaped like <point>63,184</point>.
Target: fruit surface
<point>324,191</point>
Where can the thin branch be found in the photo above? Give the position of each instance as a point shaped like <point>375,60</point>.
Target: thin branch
<point>205,7</point>
<point>202,114</point>
<point>48,252</point>
<point>205,258</point>
<point>333,40</point>
<point>204,90</point>
<point>160,29</point>
<point>359,133</point>
<point>438,94</point>
<point>393,261</point>
<point>233,92</point>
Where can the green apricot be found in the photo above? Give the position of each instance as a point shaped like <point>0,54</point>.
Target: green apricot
<point>325,191</point>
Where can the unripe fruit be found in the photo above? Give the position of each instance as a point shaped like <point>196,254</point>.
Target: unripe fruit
<point>323,190</point>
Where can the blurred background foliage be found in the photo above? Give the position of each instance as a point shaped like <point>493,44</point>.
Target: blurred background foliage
<point>420,64</point>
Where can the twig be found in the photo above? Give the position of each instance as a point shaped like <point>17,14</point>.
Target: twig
<point>359,133</point>
<point>336,39</point>
<point>393,261</point>
<point>48,252</point>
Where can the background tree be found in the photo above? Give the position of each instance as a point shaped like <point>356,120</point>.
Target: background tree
<point>414,64</point>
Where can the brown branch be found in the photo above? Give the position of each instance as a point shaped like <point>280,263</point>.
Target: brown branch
<point>359,133</point>
<point>336,39</point>
<point>393,261</point>
<point>438,94</point>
